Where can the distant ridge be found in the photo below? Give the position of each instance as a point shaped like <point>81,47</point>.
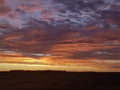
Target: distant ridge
<point>54,71</point>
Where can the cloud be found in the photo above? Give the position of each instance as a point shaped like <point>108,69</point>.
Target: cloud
<point>64,42</point>
<point>60,30</point>
<point>108,54</point>
<point>3,8</point>
<point>56,12</point>
<point>117,67</point>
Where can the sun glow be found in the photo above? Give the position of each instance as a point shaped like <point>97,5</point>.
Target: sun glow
<point>17,61</point>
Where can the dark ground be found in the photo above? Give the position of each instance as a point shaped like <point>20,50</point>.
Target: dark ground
<point>57,80</point>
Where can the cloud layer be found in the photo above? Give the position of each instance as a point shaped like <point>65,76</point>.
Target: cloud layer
<point>76,30</point>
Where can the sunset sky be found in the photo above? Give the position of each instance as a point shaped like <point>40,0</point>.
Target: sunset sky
<point>70,35</point>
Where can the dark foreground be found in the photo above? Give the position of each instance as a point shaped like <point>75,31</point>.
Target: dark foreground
<point>51,80</point>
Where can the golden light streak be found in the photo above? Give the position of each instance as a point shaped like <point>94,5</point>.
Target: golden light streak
<point>16,61</point>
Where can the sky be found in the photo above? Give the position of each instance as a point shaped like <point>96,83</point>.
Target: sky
<point>69,35</point>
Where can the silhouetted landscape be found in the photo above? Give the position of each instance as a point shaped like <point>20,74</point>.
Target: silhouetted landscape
<point>59,80</point>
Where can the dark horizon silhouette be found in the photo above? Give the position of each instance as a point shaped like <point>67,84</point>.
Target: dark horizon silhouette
<point>57,80</point>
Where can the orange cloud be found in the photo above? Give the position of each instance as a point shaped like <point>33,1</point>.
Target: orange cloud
<point>52,32</point>
<point>3,9</point>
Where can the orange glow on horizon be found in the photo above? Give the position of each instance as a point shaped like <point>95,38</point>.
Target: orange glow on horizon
<point>47,63</point>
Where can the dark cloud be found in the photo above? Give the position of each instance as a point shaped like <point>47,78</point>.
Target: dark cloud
<point>42,40</point>
<point>76,5</point>
<point>74,29</point>
<point>3,8</point>
<point>105,54</point>
<point>117,67</point>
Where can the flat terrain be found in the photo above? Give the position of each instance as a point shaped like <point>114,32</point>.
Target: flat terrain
<point>58,80</point>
